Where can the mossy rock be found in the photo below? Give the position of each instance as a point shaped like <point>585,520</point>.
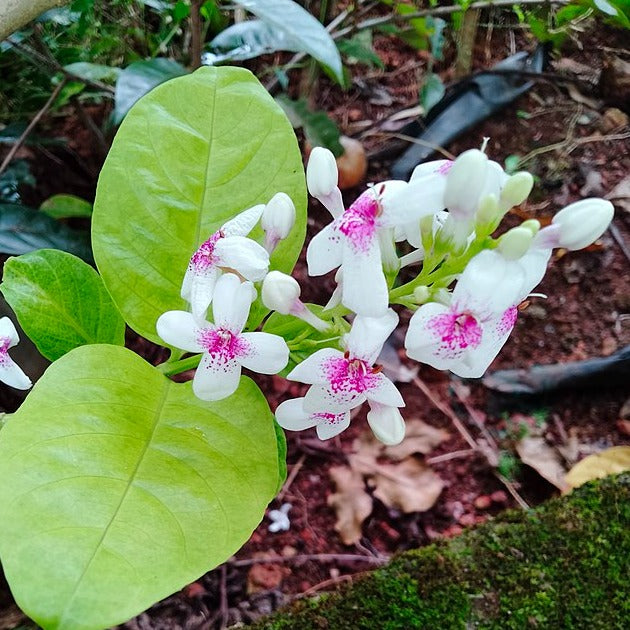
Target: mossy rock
<point>564,565</point>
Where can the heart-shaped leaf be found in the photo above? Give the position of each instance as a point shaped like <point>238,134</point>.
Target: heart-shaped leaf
<point>118,487</point>
<point>189,156</point>
<point>60,302</point>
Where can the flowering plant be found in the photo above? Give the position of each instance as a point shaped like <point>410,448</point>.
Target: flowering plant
<point>119,485</point>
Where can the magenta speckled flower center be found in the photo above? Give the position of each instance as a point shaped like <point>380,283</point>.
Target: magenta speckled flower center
<point>5,342</point>
<point>349,375</point>
<point>358,222</point>
<point>457,332</point>
<point>205,257</point>
<point>328,418</point>
<point>222,344</point>
<point>507,321</point>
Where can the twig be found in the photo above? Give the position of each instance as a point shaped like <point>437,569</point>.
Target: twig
<point>512,490</point>
<point>616,234</point>
<point>474,415</point>
<point>325,584</point>
<point>20,141</point>
<point>317,557</point>
<point>291,478</point>
<point>195,28</point>
<point>452,455</point>
<point>401,136</point>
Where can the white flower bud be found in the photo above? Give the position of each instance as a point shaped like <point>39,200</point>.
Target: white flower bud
<point>488,211</point>
<point>516,189</point>
<point>465,182</point>
<point>533,225</point>
<point>583,222</point>
<point>280,292</point>
<point>321,172</point>
<point>514,243</point>
<point>421,294</point>
<point>277,219</point>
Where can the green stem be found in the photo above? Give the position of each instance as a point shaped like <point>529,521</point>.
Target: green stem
<point>177,367</point>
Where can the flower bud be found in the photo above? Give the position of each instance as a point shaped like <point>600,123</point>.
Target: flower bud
<point>533,225</point>
<point>516,189</point>
<point>277,219</point>
<point>280,292</point>
<point>464,183</point>
<point>421,294</point>
<point>488,211</point>
<point>321,172</point>
<point>583,222</point>
<point>514,243</point>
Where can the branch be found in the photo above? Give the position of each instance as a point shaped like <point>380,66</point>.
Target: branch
<point>14,14</point>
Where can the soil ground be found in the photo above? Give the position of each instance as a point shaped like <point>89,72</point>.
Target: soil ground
<point>586,315</point>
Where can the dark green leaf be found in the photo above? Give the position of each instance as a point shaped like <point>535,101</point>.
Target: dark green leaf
<point>93,71</point>
<point>22,230</point>
<point>357,51</point>
<point>319,128</point>
<point>66,206</point>
<point>431,92</point>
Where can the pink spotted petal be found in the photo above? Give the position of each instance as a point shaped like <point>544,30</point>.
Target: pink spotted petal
<point>232,301</point>
<point>331,424</point>
<point>324,252</point>
<point>10,372</point>
<point>364,288</point>
<point>368,334</point>
<point>386,423</point>
<point>267,353</point>
<point>180,330</point>
<point>8,331</point>
<point>440,167</point>
<point>243,223</point>
<point>311,370</point>
<point>320,397</point>
<point>243,255</point>
<point>385,392</point>
<point>291,415</point>
<point>495,334</point>
<point>216,378</point>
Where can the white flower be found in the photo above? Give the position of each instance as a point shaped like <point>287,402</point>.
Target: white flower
<point>583,222</point>
<point>322,176</point>
<point>341,381</point>
<point>351,240</point>
<point>465,336</point>
<point>10,372</point>
<point>277,219</point>
<point>225,347</point>
<point>227,249</point>
<point>280,519</point>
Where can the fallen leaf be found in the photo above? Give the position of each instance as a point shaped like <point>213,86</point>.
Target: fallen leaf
<point>420,437</point>
<point>545,460</point>
<point>620,194</point>
<point>351,503</point>
<point>409,486</point>
<point>609,462</point>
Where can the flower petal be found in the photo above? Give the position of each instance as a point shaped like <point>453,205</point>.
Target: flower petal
<point>11,374</point>
<point>386,423</point>
<point>216,378</point>
<point>385,392</point>
<point>180,330</point>
<point>418,199</point>
<point>332,425</point>
<point>495,334</point>
<point>311,370</point>
<point>201,285</point>
<point>324,252</point>
<point>320,398</point>
<point>368,334</point>
<point>267,354</point>
<point>534,264</point>
<point>232,301</point>
<point>7,329</point>
<point>430,168</point>
<point>243,255</point>
<point>364,288</point>
<point>243,223</point>
<point>291,415</point>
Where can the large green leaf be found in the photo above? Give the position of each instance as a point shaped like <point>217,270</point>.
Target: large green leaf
<point>191,154</point>
<point>60,302</point>
<point>300,26</point>
<point>22,230</point>
<point>118,487</point>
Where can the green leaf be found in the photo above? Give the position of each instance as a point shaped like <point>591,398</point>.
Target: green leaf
<point>60,302</point>
<point>299,25</point>
<point>188,157</point>
<point>320,130</point>
<point>66,206</point>
<point>22,230</point>
<point>281,443</point>
<point>359,51</point>
<point>432,92</point>
<point>93,71</point>
<point>139,78</point>
<point>437,39</point>
<point>119,487</point>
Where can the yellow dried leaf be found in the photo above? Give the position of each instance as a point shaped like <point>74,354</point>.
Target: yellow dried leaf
<point>609,462</point>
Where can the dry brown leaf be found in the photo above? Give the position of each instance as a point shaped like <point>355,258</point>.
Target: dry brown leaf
<point>420,437</point>
<point>545,460</point>
<point>351,503</point>
<point>409,486</point>
<point>609,462</point>
<point>620,194</point>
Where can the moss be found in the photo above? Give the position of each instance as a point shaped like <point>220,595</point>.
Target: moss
<point>563,565</point>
